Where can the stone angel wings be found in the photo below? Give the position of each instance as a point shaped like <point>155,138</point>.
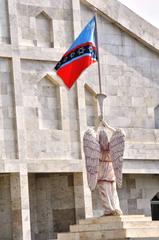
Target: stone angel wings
<point>93,147</point>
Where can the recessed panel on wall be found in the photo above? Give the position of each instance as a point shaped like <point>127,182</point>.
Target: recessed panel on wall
<point>4,22</point>
<point>46,23</point>
<point>42,110</point>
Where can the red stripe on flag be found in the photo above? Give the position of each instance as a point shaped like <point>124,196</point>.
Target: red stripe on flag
<point>70,72</point>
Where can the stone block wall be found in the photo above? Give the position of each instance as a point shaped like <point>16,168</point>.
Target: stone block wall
<point>129,76</point>
<point>42,123</point>
<point>52,204</point>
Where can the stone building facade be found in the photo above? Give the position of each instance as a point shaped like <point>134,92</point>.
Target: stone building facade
<point>43,187</point>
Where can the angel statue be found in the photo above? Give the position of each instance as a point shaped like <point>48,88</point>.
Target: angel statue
<point>104,161</point>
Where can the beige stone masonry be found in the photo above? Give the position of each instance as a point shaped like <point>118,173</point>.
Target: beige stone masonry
<point>129,21</point>
<point>29,147</point>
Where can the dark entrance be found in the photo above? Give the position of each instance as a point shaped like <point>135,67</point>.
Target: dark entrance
<point>155,207</point>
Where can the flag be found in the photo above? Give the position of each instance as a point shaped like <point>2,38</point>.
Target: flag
<point>79,56</point>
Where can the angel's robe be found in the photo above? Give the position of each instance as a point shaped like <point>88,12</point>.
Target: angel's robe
<point>106,181</point>
<point>107,185</point>
<point>106,170</point>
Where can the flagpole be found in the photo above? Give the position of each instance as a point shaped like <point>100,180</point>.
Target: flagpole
<point>97,44</point>
<point>100,96</point>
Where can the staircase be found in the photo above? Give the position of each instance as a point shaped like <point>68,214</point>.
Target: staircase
<point>132,227</point>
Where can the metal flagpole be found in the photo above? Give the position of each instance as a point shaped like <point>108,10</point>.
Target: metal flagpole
<point>97,45</point>
<point>100,96</point>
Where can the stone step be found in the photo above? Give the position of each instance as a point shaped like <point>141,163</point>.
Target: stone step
<point>114,219</point>
<point>112,234</point>
<point>142,233</point>
<point>130,227</point>
<point>145,238</point>
<point>114,225</point>
<point>141,224</point>
<point>98,235</point>
<point>71,237</point>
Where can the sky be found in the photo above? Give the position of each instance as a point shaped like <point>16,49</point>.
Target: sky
<point>147,9</point>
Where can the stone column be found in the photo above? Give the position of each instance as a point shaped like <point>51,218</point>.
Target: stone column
<point>25,206</point>
<point>49,208</point>
<point>22,180</point>
<point>19,108</point>
<point>83,126</point>
<point>79,196</point>
<point>82,115</point>
<point>15,206</point>
<point>17,80</point>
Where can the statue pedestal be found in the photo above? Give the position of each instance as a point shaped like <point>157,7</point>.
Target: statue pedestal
<point>113,227</point>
